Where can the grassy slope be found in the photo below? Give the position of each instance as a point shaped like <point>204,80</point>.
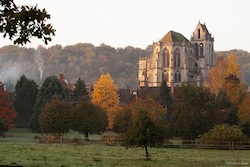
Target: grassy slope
<point>33,154</point>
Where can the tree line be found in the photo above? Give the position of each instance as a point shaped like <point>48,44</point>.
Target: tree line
<point>189,113</point>
<point>86,61</point>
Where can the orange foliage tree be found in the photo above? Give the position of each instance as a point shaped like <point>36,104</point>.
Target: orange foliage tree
<point>226,76</point>
<point>223,68</point>
<point>105,95</point>
<point>244,110</point>
<point>7,112</point>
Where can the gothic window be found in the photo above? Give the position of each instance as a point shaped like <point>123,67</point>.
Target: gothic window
<point>199,33</point>
<point>177,58</point>
<point>167,77</point>
<point>175,77</point>
<point>201,49</point>
<point>165,58</point>
<point>179,77</point>
<point>163,76</point>
<point>196,50</point>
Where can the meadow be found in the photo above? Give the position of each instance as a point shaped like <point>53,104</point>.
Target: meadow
<point>20,149</point>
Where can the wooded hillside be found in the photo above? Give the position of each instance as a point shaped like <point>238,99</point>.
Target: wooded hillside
<point>86,61</point>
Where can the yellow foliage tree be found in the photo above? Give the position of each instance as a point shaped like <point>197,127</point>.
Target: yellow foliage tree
<point>244,110</point>
<point>105,95</point>
<point>223,68</point>
<point>226,76</point>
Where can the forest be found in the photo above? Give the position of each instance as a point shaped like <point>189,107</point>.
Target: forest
<point>86,61</point>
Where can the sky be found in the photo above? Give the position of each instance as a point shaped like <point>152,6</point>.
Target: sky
<point>138,23</point>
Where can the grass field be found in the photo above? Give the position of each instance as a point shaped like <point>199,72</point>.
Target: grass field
<point>27,152</point>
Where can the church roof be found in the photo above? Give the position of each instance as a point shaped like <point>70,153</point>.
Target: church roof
<point>204,28</point>
<point>173,36</point>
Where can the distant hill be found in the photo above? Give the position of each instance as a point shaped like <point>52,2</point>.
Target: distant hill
<point>86,61</point>
<point>80,60</point>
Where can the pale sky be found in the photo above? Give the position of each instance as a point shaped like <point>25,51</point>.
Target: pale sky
<point>137,23</point>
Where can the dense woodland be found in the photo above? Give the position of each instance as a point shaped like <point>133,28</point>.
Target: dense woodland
<point>86,61</point>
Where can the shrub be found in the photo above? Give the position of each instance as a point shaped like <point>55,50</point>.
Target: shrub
<point>223,132</point>
<point>223,137</point>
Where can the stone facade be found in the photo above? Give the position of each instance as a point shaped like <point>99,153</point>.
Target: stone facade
<point>178,60</point>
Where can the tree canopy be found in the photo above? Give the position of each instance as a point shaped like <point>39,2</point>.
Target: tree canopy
<point>7,112</point>
<point>193,112</point>
<point>24,100</point>
<point>142,124</point>
<point>89,118</point>
<point>56,117</point>
<point>49,88</point>
<point>23,22</point>
<point>105,95</point>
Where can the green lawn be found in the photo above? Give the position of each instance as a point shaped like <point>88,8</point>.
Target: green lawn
<point>62,155</point>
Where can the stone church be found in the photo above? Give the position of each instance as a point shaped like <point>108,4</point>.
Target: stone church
<point>178,60</point>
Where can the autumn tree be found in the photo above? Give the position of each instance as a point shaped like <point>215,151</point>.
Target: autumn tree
<point>105,95</point>
<point>24,100</point>
<point>193,112</point>
<point>142,124</point>
<point>89,118</point>
<point>244,110</point>
<point>56,117</point>
<point>49,88</point>
<point>20,23</point>
<point>234,89</point>
<point>223,68</point>
<point>226,76</point>
<point>7,112</point>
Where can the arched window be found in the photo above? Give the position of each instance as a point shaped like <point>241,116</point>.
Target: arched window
<point>177,58</point>
<point>167,77</point>
<point>179,77</point>
<point>175,77</point>
<point>199,33</point>
<point>201,49</point>
<point>196,51</point>
<point>165,58</point>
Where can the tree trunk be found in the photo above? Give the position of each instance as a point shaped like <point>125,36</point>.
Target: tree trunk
<point>86,137</point>
<point>147,154</point>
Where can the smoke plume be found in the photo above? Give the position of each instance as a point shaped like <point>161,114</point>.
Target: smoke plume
<point>40,62</point>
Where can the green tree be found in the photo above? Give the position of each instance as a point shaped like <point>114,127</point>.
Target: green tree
<point>89,118</point>
<point>23,22</point>
<point>56,117</point>
<point>105,95</point>
<point>24,100</point>
<point>165,98</point>
<point>224,112</point>
<point>50,87</point>
<point>192,112</point>
<point>80,91</point>
<point>142,124</point>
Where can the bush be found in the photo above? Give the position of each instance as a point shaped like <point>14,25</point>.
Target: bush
<point>223,132</point>
<point>50,138</point>
<point>222,137</point>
